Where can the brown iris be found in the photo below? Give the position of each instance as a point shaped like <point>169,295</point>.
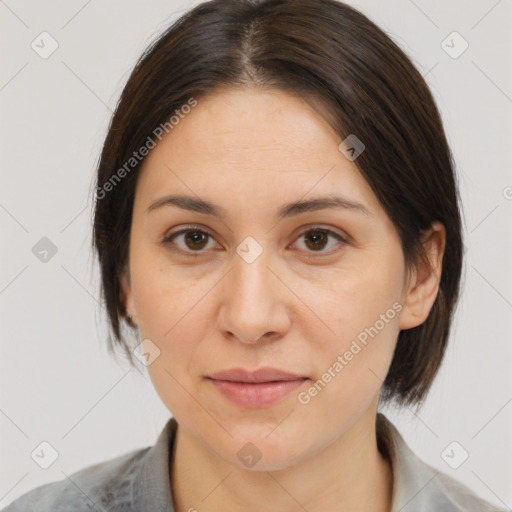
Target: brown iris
<point>318,237</point>
<point>196,239</point>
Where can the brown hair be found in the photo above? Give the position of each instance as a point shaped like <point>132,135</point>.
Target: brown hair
<point>327,51</point>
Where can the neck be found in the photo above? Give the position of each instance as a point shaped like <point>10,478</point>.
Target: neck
<point>350,475</point>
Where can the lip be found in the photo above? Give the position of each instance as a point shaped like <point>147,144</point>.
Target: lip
<point>265,374</point>
<point>255,389</point>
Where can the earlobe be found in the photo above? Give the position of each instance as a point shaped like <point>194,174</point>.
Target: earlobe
<point>424,283</point>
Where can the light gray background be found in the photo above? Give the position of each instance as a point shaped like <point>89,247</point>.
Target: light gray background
<point>57,382</point>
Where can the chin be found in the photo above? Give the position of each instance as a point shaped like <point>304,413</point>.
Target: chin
<point>260,453</point>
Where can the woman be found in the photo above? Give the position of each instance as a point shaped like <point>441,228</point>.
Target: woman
<point>277,219</point>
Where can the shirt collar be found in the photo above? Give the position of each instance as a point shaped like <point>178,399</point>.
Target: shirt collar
<point>412,478</point>
<point>415,486</point>
<point>152,486</point>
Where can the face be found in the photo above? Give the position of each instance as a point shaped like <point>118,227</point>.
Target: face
<point>318,293</point>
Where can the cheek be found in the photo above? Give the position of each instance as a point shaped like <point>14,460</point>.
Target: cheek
<point>165,294</point>
<point>362,310</point>
<point>354,298</point>
<point>352,370</point>
<point>168,309</point>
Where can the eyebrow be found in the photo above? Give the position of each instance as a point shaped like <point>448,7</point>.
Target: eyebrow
<point>199,205</point>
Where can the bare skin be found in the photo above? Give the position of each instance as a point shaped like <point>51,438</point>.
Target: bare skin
<point>297,307</point>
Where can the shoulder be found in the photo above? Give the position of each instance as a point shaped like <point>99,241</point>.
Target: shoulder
<point>103,486</point>
<point>459,496</point>
<point>419,487</point>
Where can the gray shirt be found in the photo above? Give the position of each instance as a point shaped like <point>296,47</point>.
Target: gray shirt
<point>139,481</point>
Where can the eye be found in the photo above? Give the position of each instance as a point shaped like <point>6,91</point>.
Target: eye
<point>195,239</point>
<point>316,239</point>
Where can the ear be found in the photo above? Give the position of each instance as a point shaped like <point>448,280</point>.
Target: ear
<point>126,296</point>
<point>423,285</point>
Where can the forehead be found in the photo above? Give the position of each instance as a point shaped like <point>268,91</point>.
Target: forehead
<point>250,124</point>
<point>258,143</point>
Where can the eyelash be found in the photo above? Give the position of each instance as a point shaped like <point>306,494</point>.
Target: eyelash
<point>196,254</point>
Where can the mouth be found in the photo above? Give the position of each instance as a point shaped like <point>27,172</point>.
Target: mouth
<point>255,389</point>
<point>266,374</point>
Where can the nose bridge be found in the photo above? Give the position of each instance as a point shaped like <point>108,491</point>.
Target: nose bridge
<point>252,305</point>
<point>252,278</point>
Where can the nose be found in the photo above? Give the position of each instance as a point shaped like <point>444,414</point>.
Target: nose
<point>254,302</point>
